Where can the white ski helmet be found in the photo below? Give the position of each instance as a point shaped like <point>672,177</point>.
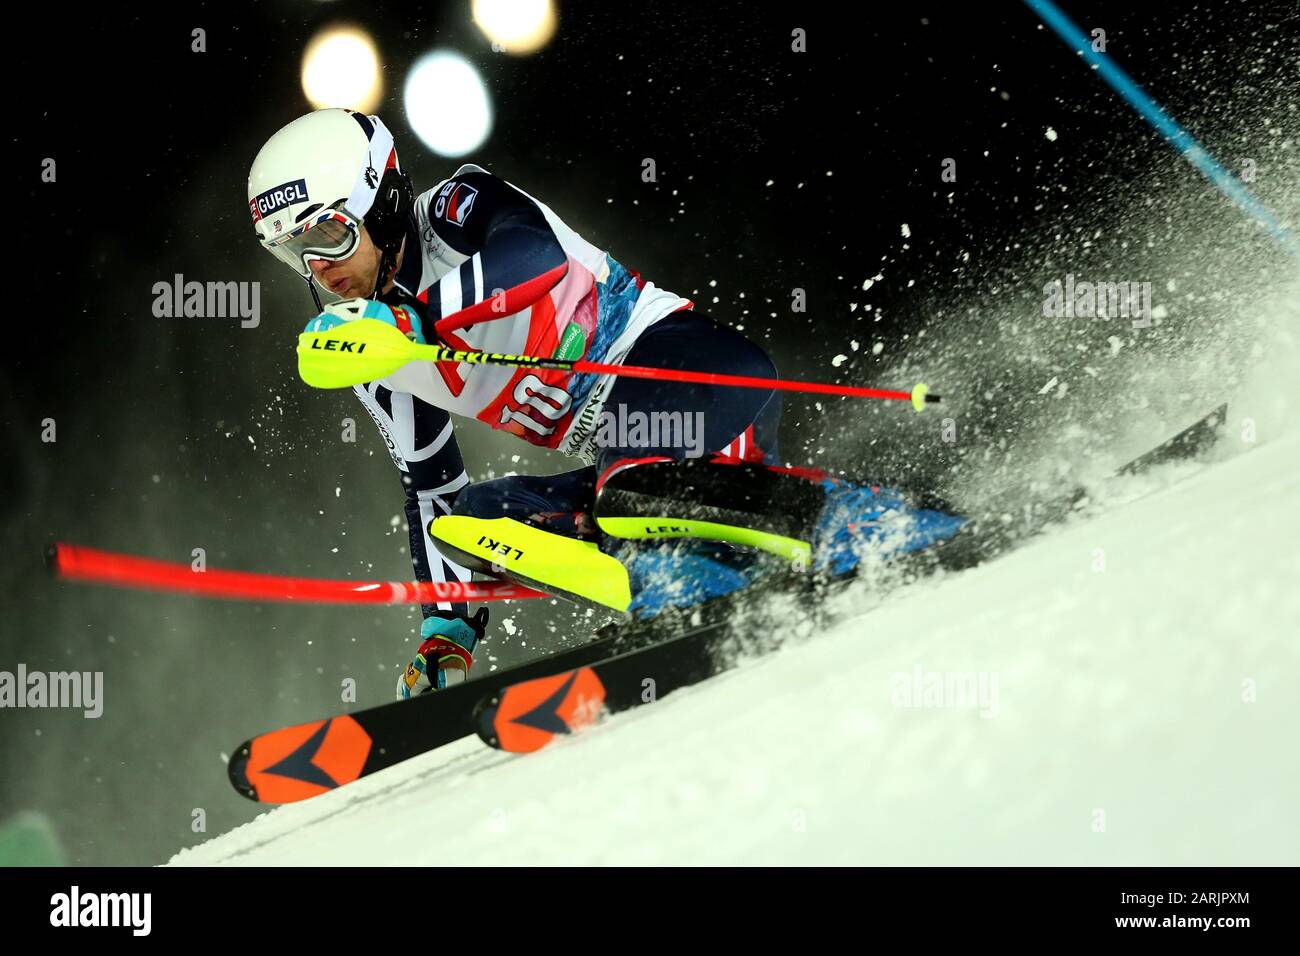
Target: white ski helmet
<point>318,179</point>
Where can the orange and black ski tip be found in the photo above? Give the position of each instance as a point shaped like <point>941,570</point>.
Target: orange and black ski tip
<point>300,762</point>
<point>525,717</point>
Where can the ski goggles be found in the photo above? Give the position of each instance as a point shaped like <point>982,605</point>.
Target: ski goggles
<point>332,234</point>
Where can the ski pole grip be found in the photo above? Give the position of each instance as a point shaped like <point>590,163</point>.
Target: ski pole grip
<point>921,396</point>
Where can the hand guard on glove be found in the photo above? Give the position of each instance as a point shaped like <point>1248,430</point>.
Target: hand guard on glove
<point>404,318</point>
<point>446,652</point>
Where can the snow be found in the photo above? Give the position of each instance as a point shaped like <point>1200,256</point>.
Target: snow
<point>1139,672</point>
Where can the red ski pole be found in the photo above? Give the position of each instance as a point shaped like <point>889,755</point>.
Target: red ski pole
<point>74,563</point>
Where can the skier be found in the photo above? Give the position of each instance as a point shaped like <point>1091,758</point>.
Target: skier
<point>477,263</point>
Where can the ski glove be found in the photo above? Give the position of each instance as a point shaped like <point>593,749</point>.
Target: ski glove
<point>402,318</point>
<point>446,652</point>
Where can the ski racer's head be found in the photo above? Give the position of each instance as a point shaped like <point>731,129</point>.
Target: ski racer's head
<point>330,201</point>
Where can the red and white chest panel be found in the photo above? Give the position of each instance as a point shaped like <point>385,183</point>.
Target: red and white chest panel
<point>536,405</point>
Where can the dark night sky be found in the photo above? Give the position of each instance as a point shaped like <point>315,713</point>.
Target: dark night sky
<point>179,433</point>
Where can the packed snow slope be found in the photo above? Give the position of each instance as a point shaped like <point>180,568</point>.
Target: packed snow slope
<point>1129,697</point>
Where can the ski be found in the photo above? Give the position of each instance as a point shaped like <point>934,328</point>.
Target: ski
<point>1188,443</point>
<point>526,716</point>
<point>302,761</point>
<point>676,648</point>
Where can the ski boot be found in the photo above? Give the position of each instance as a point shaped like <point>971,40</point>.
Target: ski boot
<point>447,642</point>
<point>861,519</point>
<point>686,573</point>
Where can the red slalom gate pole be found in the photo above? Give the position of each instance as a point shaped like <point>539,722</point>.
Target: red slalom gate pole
<point>75,563</point>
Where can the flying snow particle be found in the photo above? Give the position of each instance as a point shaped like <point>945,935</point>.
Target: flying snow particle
<point>1049,386</point>
<point>1051,134</point>
<point>907,231</point>
<point>877,348</point>
<point>839,360</point>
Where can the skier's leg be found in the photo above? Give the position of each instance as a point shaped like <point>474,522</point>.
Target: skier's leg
<point>681,420</point>
<point>741,424</point>
<point>705,422</point>
<point>560,503</point>
<point>535,530</point>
